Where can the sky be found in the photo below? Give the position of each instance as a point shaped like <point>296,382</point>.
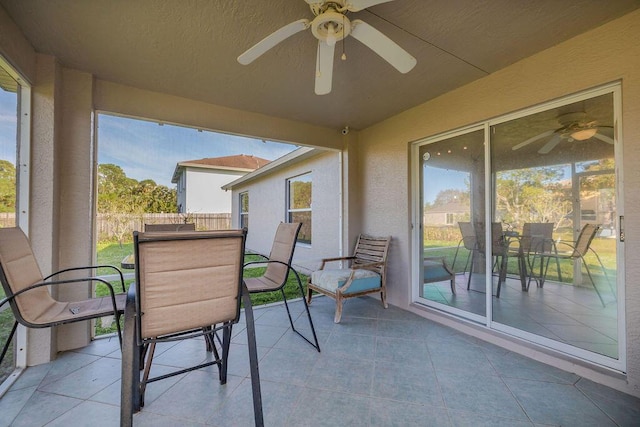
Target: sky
<point>146,150</point>
<point>8,120</point>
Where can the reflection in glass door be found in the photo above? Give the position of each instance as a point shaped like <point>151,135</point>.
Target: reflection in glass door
<point>555,196</point>
<point>552,255</point>
<point>452,182</point>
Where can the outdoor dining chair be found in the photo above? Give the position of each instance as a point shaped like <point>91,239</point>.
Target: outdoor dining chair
<point>537,237</point>
<point>28,295</point>
<point>576,251</point>
<point>188,285</point>
<point>366,274</point>
<point>277,272</point>
<point>470,243</point>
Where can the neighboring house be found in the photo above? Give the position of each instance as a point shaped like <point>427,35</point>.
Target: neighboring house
<point>302,186</point>
<point>448,214</point>
<point>199,181</point>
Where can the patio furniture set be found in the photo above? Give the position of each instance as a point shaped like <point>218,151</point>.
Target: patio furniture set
<point>534,249</point>
<point>187,284</point>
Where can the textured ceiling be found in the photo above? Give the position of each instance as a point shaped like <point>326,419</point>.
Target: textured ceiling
<point>189,48</point>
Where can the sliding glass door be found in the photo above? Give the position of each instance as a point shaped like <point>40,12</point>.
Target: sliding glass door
<point>541,260</point>
<point>452,207</point>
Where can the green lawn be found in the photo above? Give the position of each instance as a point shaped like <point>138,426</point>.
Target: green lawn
<point>605,248</point>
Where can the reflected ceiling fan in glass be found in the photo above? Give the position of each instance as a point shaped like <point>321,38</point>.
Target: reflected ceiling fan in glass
<point>329,26</point>
<point>573,127</point>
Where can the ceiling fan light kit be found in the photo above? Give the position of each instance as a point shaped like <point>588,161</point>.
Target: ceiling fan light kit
<point>573,127</point>
<point>329,26</point>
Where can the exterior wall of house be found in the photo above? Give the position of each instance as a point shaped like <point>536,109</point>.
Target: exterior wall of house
<point>203,192</point>
<point>267,208</point>
<point>608,53</point>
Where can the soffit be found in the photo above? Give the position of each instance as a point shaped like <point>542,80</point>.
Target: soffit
<point>188,48</point>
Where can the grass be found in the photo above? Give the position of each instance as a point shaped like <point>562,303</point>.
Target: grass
<point>605,248</point>
<point>6,323</point>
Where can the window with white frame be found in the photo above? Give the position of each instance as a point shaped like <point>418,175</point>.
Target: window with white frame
<point>299,205</point>
<point>244,209</point>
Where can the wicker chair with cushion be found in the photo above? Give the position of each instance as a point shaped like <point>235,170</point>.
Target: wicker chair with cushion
<point>366,274</point>
<point>27,291</point>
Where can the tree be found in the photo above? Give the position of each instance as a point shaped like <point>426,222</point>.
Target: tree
<point>118,195</point>
<point>532,195</point>
<point>7,186</point>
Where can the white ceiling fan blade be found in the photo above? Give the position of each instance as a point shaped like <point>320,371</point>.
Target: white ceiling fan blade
<point>358,5</point>
<point>604,138</point>
<point>271,40</point>
<point>533,139</point>
<point>383,46</point>
<point>324,68</point>
<point>551,144</point>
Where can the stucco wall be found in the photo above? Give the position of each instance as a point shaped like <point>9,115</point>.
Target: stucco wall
<point>203,193</point>
<point>608,53</point>
<point>267,208</point>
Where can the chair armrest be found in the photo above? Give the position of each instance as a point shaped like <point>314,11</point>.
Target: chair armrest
<point>343,258</point>
<point>90,267</point>
<point>441,259</point>
<point>62,282</point>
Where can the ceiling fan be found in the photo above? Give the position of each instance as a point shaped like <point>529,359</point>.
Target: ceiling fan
<point>573,127</point>
<point>329,26</point>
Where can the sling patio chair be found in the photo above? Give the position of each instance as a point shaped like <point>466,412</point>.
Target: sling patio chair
<point>277,272</point>
<point>576,251</point>
<point>468,241</point>
<point>537,237</point>
<point>188,285</point>
<point>27,291</point>
<point>366,274</point>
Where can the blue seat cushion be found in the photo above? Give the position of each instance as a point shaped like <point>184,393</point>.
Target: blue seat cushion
<point>331,279</point>
<point>434,271</point>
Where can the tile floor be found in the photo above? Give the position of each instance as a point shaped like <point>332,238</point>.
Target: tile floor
<point>570,314</point>
<point>377,368</point>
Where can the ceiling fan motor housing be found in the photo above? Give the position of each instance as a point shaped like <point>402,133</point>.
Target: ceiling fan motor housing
<point>331,26</point>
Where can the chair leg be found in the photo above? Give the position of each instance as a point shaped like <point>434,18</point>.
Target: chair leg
<point>593,282</point>
<point>338,315</point>
<point>224,362</point>
<point>309,295</point>
<point>147,370</point>
<point>473,255</point>
<point>253,358</point>
<point>306,307</point>
<point>8,343</point>
<point>383,297</point>
<point>129,393</point>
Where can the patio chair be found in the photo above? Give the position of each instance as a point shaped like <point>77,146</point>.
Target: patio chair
<point>577,251</point>
<point>187,285</point>
<point>366,274</point>
<point>27,291</point>
<point>278,267</point>
<point>500,244</point>
<point>148,228</point>
<point>537,237</point>
<point>435,269</point>
<point>470,242</point>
